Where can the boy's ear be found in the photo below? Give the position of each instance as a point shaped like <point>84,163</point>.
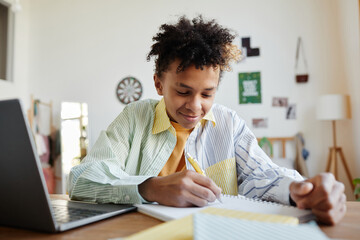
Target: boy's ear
<point>158,85</point>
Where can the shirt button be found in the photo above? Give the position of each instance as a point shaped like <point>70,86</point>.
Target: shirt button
<point>127,198</point>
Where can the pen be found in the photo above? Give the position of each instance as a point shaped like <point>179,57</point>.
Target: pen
<point>198,169</point>
<point>195,164</point>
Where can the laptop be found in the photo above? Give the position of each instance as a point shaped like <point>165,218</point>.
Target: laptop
<point>24,201</point>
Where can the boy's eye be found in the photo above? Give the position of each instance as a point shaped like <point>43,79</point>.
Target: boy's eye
<point>182,93</point>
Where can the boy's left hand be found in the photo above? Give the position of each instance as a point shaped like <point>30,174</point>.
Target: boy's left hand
<point>323,195</point>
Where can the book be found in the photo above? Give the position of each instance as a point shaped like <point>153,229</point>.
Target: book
<point>241,203</point>
<point>182,229</point>
<point>263,217</point>
<point>209,226</point>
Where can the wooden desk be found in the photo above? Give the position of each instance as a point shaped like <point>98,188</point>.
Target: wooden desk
<point>129,223</point>
<point>349,227</point>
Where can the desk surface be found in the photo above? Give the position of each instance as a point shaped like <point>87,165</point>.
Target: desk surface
<point>129,223</point>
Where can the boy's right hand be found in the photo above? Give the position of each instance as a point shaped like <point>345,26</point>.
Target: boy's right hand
<point>181,189</point>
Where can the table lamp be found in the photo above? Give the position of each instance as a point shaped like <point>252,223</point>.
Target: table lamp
<point>333,107</point>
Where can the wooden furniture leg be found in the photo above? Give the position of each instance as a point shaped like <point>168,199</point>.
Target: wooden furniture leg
<point>342,157</point>
<point>328,165</point>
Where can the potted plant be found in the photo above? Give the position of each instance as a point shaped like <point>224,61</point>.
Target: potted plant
<point>356,183</point>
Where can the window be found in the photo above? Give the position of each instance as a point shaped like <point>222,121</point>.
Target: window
<point>74,137</point>
<point>6,40</point>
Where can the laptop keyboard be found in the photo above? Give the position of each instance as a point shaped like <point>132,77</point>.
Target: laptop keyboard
<point>64,214</point>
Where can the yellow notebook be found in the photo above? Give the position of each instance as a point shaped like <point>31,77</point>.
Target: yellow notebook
<point>182,229</point>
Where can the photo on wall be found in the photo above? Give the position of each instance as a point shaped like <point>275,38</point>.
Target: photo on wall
<point>280,102</point>
<point>291,111</point>
<point>249,87</point>
<point>250,52</point>
<point>260,123</point>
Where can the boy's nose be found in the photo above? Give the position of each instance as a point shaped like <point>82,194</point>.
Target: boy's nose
<point>194,104</point>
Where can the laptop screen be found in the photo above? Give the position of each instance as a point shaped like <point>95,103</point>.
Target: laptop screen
<point>24,201</point>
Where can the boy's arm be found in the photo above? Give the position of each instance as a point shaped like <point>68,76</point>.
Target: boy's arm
<point>101,176</point>
<point>323,195</point>
<point>258,176</point>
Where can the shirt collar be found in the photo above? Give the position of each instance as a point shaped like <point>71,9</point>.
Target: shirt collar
<point>162,121</point>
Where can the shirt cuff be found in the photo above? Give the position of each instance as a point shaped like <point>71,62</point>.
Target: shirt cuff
<point>128,193</point>
<point>292,202</point>
<point>139,195</point>
<point>283,193</point>
<point>280,193</point>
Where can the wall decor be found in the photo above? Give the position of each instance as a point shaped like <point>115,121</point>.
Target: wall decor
<point>249,88</point>
<point>291,111</point>
<point>250,52</point>
<point>280,102</point>
<point>260,123</point>
<point>301,76</point>
<point>129,90</point>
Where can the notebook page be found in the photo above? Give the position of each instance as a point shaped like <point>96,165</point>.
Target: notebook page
<point>257,206</point>
<point>241,203</point>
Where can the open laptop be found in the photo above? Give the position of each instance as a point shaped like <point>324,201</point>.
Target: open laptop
<point>24,200</point>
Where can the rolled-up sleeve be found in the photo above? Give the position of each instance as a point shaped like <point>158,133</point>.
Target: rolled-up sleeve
<point>258,176</point>
<point>101,176</point>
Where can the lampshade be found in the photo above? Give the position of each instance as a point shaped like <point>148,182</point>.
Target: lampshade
<point>333,107</point>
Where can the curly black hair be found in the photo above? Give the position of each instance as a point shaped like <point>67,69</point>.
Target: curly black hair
<point>196,42</point>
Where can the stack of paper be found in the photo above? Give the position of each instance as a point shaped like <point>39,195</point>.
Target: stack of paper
<point>208,226</point>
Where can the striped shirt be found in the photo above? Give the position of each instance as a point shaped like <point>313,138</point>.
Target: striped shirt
<point>138,143</point>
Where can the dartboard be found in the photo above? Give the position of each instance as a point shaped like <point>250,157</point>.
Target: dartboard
<point>129,90</point>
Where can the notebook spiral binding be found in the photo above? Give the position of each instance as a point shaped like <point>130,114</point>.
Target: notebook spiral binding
<point>258,200</point>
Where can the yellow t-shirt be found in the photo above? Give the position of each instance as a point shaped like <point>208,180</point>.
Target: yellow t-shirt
<point>176,162</point>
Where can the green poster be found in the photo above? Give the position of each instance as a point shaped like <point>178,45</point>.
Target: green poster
<point>249,88</point>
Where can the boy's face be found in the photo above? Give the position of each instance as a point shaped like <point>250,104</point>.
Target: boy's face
<point>188,95</point>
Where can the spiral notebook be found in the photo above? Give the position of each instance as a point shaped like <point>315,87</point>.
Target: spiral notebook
<point>208,226</point>
<point>239,202</point>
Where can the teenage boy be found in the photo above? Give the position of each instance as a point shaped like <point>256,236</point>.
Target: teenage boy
<point>140,158</point>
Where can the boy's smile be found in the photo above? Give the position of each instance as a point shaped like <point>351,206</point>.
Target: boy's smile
<point>188,95</point>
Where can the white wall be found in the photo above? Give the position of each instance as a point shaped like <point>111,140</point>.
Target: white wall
<point>18,87</point>
<point>330,32</point>
<point>350,49</point>
<point>79,50</point>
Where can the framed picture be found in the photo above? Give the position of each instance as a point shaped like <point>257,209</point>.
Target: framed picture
<point>260,123</point>
<point>291,111</point>
<point>249,88</point>
<point>280,102</point>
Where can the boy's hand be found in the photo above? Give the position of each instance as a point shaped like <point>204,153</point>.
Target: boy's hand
<point>181,189</point>
<point>323,195</point>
